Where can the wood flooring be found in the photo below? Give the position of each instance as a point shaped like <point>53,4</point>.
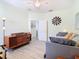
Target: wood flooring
<point>34,50</point>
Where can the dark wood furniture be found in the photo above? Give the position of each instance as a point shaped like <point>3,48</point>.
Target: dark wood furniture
<point>77,57</point>
<point>17,39</point>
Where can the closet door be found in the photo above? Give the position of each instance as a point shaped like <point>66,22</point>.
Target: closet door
<point>42,30</point>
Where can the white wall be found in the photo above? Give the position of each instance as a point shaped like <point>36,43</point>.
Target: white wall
<point>42,31</point>
<point>67,16</point>
<point>67,23</point>
<point>68,20</point>
<point>76,10</point>
<point>16,19</point>
<point>1,15</point>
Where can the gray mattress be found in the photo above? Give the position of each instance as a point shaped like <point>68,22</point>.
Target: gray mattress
<point>53,50</point>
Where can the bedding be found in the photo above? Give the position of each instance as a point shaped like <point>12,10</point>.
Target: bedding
<point>66,35</point>
<point>62,41</point>
<point>70,36</point>
<point>76,39</point>
<point>64,38</point>
<point>57,40</point>
<point>61,34</point>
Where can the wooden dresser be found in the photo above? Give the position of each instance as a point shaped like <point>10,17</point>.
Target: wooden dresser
<point>13,41</point>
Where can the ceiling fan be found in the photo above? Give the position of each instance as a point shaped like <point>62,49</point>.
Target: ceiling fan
<point>37,3</point>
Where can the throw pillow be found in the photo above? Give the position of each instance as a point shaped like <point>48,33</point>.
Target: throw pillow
<point>60,57</point>
<point>69,36</point>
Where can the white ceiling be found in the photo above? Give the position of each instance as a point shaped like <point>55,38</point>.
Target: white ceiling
<point>46,5</point>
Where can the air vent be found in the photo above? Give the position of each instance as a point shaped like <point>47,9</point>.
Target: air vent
<point>29,9</point>
<point>50,10</point>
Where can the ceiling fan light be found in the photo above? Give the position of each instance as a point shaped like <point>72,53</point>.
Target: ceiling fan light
<point>37,3</point>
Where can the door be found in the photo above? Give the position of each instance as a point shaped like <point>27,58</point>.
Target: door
<point>39,29</point>
<point>34,30</point>
<point>42,30</point>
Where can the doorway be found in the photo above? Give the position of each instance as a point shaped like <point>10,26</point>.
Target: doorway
<point>34,29</point>
<point>39,29</point>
